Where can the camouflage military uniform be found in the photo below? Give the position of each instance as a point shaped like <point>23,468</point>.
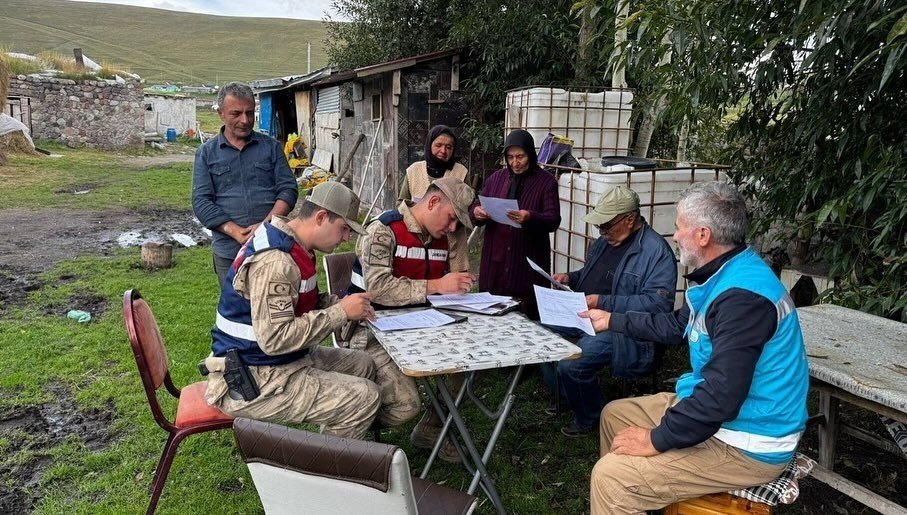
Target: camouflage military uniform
<point>328,386</point>
<point>399,396</point>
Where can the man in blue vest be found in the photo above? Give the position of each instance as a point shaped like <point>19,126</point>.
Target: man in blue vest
<point>402,258</point>
<point>736,419</point>
<point>266,360</point>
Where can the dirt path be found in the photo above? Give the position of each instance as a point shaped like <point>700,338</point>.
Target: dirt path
<point>145,162</point>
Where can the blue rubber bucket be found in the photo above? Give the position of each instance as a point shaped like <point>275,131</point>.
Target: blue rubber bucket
<point>171,134</point>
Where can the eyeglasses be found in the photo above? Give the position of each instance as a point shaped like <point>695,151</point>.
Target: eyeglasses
<point>603,228</point>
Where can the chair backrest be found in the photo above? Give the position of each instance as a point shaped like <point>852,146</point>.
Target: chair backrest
<point>148,349</point>
<point>301,472</point>
<point>338,268</point>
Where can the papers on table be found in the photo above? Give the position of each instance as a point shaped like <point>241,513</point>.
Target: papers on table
<point>414,320</point>
<point>545,274</point>
<point>482,302</point>
<point>562,308</point>
<point>497,209</point>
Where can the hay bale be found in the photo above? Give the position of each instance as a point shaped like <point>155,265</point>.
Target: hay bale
<point>16,143</point>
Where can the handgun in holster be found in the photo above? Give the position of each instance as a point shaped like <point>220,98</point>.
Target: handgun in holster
<point>239,379</point>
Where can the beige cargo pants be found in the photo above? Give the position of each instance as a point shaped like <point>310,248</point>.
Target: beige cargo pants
<point>400,400</point>
<point>331,387</point>
<point>633,484</point>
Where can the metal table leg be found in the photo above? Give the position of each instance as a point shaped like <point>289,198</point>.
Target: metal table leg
<point>477,461</point>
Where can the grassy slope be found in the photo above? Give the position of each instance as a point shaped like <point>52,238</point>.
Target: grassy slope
<point>164,45</point>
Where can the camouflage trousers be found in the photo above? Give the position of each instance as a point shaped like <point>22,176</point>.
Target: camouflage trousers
<point>400,399</point>
<point>330,387</point>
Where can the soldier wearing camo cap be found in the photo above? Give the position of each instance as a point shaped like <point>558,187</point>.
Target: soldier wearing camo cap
<point>273,317</point>
<point>402,258</point>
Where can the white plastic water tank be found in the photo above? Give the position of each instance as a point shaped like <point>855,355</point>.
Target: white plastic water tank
<point>598,123</point>
<point>580,192</point>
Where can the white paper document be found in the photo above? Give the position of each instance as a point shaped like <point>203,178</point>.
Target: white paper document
<point>414,320</point>
<point>467,298</point>
<point>562,308</point>
<point>481,302</point>
<point>545,274</point>
<point>497,209</point>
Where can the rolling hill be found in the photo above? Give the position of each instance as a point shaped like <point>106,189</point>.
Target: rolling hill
<point>164,45</point>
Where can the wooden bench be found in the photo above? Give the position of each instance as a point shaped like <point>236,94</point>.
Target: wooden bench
<point>714,504</point>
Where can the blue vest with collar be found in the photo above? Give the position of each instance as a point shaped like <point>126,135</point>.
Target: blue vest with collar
<point>773,416</point>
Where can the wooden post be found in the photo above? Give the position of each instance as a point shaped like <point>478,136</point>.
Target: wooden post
<point>828,431</point>
<point>77,54</point>
<point>157,255</point>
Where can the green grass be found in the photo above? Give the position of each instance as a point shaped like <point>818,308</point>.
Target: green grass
<point>208,119</point>
<point>45,181</point>
<point>164,45</point>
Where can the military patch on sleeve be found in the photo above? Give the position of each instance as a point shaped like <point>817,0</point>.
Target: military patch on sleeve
<point>663,293</point>
<point>379,250</point>
<point>278,288</point>
<point>280,304</point>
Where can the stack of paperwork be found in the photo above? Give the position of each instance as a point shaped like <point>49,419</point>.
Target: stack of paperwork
<point>483,302</point>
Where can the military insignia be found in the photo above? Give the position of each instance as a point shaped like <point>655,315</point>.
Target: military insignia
<point>694,336</point>
<point>278,288</point>
<point>379,250</point>
<point>280,310</point>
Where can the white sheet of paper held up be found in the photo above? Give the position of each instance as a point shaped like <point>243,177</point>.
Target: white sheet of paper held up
<point>562,308</point>
<point>414,320</point>
<point>497,209</point>
<point>545,274</point>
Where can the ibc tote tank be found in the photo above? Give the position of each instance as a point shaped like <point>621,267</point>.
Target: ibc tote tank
<point>598,123</point>
<point>577,189</point>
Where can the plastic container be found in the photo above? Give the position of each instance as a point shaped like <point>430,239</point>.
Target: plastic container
<point>171,134</point>
<point>598,123</point>
<point>588,187</point>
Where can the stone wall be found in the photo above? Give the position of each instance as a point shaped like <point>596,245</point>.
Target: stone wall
<point>86,113</point>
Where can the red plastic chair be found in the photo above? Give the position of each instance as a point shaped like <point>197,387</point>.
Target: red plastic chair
<point>193,413</point>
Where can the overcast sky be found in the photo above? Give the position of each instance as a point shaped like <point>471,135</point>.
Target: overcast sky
<point>300,9</point>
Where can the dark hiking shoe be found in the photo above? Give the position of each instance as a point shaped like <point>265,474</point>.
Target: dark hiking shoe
<point>425,435</point>
<point>573,430</point>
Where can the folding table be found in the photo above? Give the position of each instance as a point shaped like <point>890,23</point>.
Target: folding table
<point>479,343</point>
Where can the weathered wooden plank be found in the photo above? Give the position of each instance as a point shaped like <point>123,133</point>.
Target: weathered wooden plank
<point>857,492</point>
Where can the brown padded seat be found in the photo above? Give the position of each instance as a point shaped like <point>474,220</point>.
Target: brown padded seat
<point>436,499</point>
<point>346,459</point>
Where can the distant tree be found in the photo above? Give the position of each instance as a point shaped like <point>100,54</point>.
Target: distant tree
<point>384,30</point>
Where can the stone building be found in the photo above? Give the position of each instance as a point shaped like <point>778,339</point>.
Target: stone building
<point>98,113</point>
<point>164,112</point>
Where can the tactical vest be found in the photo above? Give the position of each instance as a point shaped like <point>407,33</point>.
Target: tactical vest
<point>773,416</point>
<point>233,323</point>
<point>412,259</point>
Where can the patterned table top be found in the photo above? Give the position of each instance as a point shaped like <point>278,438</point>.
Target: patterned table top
<point>480,342</point>
<point>863,354</point>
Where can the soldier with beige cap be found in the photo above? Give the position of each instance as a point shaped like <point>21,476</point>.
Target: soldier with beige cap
<point>272,318</point>
<point>403,257</point>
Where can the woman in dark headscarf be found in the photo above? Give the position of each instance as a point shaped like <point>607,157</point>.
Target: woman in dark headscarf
<point>440,161</point>
<point>504,270</point>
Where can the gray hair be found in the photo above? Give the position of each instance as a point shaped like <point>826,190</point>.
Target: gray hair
<point>718,206</point>
<point>237,90</point>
